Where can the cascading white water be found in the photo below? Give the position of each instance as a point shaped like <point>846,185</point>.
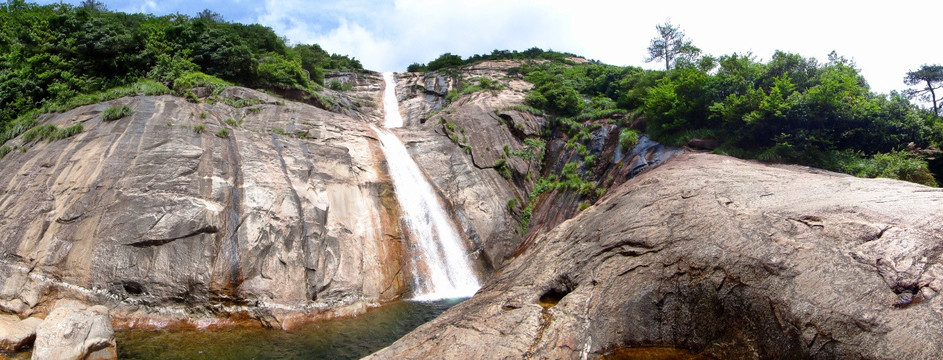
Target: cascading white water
<point>441,268</point>
<point>392,119</point>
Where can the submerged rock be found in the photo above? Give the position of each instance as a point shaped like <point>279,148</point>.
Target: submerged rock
<point>73,331</point>
<point>723,257</point>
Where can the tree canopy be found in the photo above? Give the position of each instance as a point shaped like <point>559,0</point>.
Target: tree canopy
<point>789,109</point>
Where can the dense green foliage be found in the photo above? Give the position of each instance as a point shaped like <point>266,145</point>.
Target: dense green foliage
<point>57,56</point>
<point>789,109</point>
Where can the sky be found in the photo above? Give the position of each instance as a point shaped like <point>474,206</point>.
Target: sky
<point>884,38</point>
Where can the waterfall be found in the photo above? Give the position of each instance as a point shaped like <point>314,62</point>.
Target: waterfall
<point>392,119</point>
<point>440,265</point>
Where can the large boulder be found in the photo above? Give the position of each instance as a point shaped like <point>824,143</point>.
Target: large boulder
<point>16,334</point>
<point>73,331</point>
<point>723,257</point>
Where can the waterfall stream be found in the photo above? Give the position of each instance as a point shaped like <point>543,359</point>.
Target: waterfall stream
<point>439,260</point>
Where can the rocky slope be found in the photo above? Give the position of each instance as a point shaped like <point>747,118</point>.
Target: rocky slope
<point>725,257</point>
<point>481,133</point>
<point>168,220</point>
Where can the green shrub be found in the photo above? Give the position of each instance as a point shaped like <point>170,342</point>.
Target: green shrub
<point>502,167</point>
<point>597,114</point>
<point>199,128</point>
<point>68,132</point>
<point>202,115</point>
<point>446,60</point>
<point>116,112</point>
<point>140,87</point>
<point>44,132</point>
<point>339,86</point>
<point>524,108</point>
<point>4,150</point>
<point>488,84</point>
<point>242,102</point>
<point>511,203</point>
<point>278,131</point>
<point>627,139</point>
<point>896,165</point>
<point>557,98</point>
<point>189,80</point>
<point>452,95</point>
<point>232,122</point>
<point>168,68</point>
<point>449,127</point>
<point>222,133</point>
<point>22,124</point>
<point>278,71</point>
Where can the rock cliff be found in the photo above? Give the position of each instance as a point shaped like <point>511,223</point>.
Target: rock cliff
<point>241,209</point>
<point>728,258</point>
<point>270,209</point>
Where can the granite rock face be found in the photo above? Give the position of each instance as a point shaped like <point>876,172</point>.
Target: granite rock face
<point>728,258</point>
<point>459,144</point>
<point>164,216</point>
<point>248,209</point>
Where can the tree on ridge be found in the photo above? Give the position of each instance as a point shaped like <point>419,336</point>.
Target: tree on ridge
<point>932,77</point>
<point>671,46</point>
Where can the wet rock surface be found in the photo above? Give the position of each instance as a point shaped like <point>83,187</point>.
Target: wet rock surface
<point>723,257</point>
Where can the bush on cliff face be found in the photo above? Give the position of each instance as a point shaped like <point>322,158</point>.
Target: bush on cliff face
<point>556,98</point>
<point>116,112</point>
<point>277,71</point>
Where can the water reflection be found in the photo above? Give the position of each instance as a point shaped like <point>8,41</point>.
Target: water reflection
<point>350,338</point>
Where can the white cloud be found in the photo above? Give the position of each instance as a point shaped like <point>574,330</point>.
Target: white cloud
<point>883,38</point>
<point>357,41</point>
